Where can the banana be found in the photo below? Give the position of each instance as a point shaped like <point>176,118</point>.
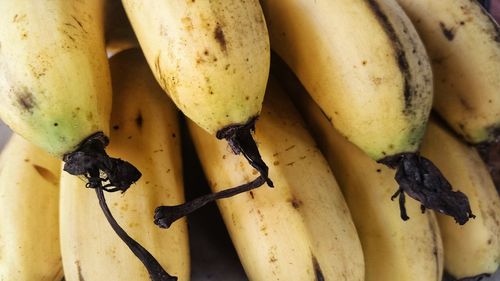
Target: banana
<point>472,249</point>
<point>301,229</point>
<point>29,196</point>
<point>145,130</point>
<point>463,42</point>
<point>363,64</point>
<point>212,58</point>
<point>374,84</point>
<point>393,249</point>
<point>55,84</point>
<point>54,76</point>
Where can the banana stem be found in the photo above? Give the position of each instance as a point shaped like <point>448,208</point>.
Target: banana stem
<point>420,179</point>
<point>155,270</point>
<point>91,156</point>
<point>166,215</point>
<point>239,138</point>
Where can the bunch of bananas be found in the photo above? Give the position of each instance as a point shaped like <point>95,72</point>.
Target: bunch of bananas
<point>339,122</point>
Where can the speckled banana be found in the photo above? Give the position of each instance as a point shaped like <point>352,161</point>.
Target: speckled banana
<point>301,229</point>
<point>393,249</point>
<point>364,64</point>
<point>472,249</point>
<point>463,42</point>
<point>29,196</point>
<point>54,75</point>
<point>212,58</point>
<point>145,130</point>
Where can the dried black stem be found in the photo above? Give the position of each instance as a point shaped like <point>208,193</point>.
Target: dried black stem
<point>155,270</point>
<point>240,140</point>
<point>420,179</point>
<point>91,156</point>
<point>166,215</point>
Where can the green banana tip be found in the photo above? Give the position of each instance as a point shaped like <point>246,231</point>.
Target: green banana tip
<point>420,179</point>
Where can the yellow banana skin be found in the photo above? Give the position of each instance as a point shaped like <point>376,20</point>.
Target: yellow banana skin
<point>301,229</point>
<point>463,42</point>
<point>29,196</point>
<point>54,75</point>
<point>145,130</point>
<point>394,249</point>
<point>363,63</point>
<point>472,249</point>
<point>211,57</point>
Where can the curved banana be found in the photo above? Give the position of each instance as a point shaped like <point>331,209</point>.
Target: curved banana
<point>374,85</point>
<point>29,196</point>
<point>55,84</point>
<point>54,75</point>
<point>212,58</point>
<point>472,249</point>
<point>393,249</point>
<point>364,65</point>
<point>146,131</point>
<point>463,42</point>
<point>301,229</point>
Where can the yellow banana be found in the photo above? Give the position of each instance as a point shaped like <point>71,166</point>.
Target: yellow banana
<point>146,131</point>
<point>393,249</point>
<point>55,85</point>
<point>29,196</point>
<point>54,77</point>
<point>212,58</point>
<point>301,229</point>
<point>463,42</point>
<point>364,64</point>
<point>472,249</point>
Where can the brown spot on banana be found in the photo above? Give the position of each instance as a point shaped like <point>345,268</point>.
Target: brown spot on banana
<point>318,273</point>
<point>139,120</point>
<point>26,101</point>
<point>219,37</point>
<point>449,33</point>
<point>46,174</point>
<point>433,230</point>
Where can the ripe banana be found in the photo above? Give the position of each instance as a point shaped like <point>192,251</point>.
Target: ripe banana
<point>301,229</point>
<point>472,249</point>
<point>374,84</point>
<point>363,64</point>
<point>212,58</point>
<point>393,249</point>
<point>29,196</point>
<point>463,42</point>
<point>145,130</point>
<point>55,85</point>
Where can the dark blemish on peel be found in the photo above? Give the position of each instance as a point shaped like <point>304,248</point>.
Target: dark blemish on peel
<point>379,170</point>
<point>139,120</point>
<point>56,124</point>
<point>46,174</point>
<point>219,36</point>
<point>116,127</point>
<point>80,276</point>
<point>295,203</point>
<point>173,135</point>
<point>318,273</point>
<point>447,32</point>
<point>27,101</point>
<point>251,194</point>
